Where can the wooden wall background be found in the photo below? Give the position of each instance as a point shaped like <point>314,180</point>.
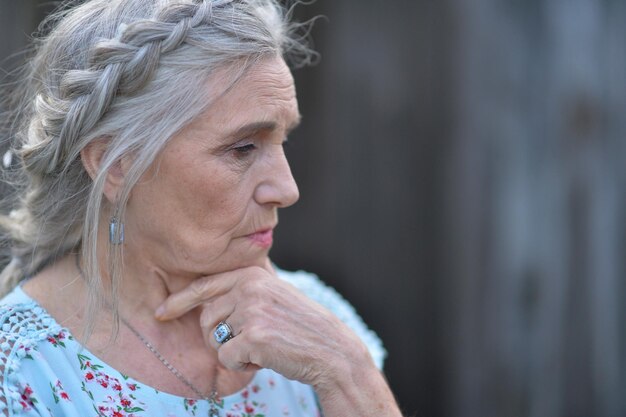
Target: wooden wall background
<point>462,171</point>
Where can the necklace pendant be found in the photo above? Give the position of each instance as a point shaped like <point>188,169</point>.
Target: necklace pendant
<point>213,412</point>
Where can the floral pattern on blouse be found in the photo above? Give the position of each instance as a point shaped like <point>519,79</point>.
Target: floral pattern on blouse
<point>27,400</point>
<point>251,404</point>
<point>120,399</point>
<point>59,339</point>
<point>58,393</point>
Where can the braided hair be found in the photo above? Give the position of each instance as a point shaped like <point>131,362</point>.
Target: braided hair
<point>127,71</point>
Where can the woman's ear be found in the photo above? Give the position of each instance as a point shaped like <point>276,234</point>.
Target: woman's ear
<point>91,157</point>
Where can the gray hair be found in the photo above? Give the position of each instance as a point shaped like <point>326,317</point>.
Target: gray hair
<point>127,71</point>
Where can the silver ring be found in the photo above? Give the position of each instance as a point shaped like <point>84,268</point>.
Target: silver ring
<point>223,333</point>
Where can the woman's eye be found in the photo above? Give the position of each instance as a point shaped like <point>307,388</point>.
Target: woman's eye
<point>244,149</point>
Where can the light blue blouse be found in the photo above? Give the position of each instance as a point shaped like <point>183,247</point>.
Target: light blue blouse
<point>46,372</point>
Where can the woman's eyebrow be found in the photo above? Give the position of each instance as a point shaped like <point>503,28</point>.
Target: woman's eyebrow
<point>255,127</point>
<point>251,128</point>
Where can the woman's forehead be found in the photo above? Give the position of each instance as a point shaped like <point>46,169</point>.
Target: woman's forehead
<point>262,99</point>
<point>265,94</point>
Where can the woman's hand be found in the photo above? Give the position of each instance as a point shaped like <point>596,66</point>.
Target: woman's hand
<point>276,326</point>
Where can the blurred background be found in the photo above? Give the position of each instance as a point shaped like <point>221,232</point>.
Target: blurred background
<point>462,166</point>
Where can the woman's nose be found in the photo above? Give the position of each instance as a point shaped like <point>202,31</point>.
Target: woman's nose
<point>278,187</point>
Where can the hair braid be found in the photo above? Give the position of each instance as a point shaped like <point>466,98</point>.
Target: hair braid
<point>122,65</point>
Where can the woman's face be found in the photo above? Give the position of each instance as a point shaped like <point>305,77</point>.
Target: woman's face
<point>209,203</point>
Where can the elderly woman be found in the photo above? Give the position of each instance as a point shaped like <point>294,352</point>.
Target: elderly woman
<point>150,136</point>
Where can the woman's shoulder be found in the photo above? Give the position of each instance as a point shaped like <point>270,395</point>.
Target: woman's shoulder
<point>21,317</point>
<point>18,301</point>
<point>313,287</point>
<point>23,324</point>
<point>16,297</point>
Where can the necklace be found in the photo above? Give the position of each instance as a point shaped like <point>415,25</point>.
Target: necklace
<point>213,398</point>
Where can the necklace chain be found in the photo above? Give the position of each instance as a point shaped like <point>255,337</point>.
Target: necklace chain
<point>213,398</point>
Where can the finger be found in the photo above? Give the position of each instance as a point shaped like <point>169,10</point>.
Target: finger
<point>204,289</point>
<point>214,313</point>
<point>199,291</point>
<point>234,355</point>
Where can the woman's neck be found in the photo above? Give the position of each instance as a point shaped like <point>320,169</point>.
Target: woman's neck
<point>62,290</point>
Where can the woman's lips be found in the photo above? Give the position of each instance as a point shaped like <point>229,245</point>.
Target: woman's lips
<point>262,238</point>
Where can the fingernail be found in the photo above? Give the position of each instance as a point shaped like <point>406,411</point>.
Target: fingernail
<point>160,312</point>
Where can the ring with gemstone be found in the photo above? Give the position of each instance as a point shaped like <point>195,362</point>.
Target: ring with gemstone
<point>223,333</point>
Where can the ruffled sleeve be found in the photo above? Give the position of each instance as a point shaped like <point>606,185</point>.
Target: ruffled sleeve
<point>315,289</point>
